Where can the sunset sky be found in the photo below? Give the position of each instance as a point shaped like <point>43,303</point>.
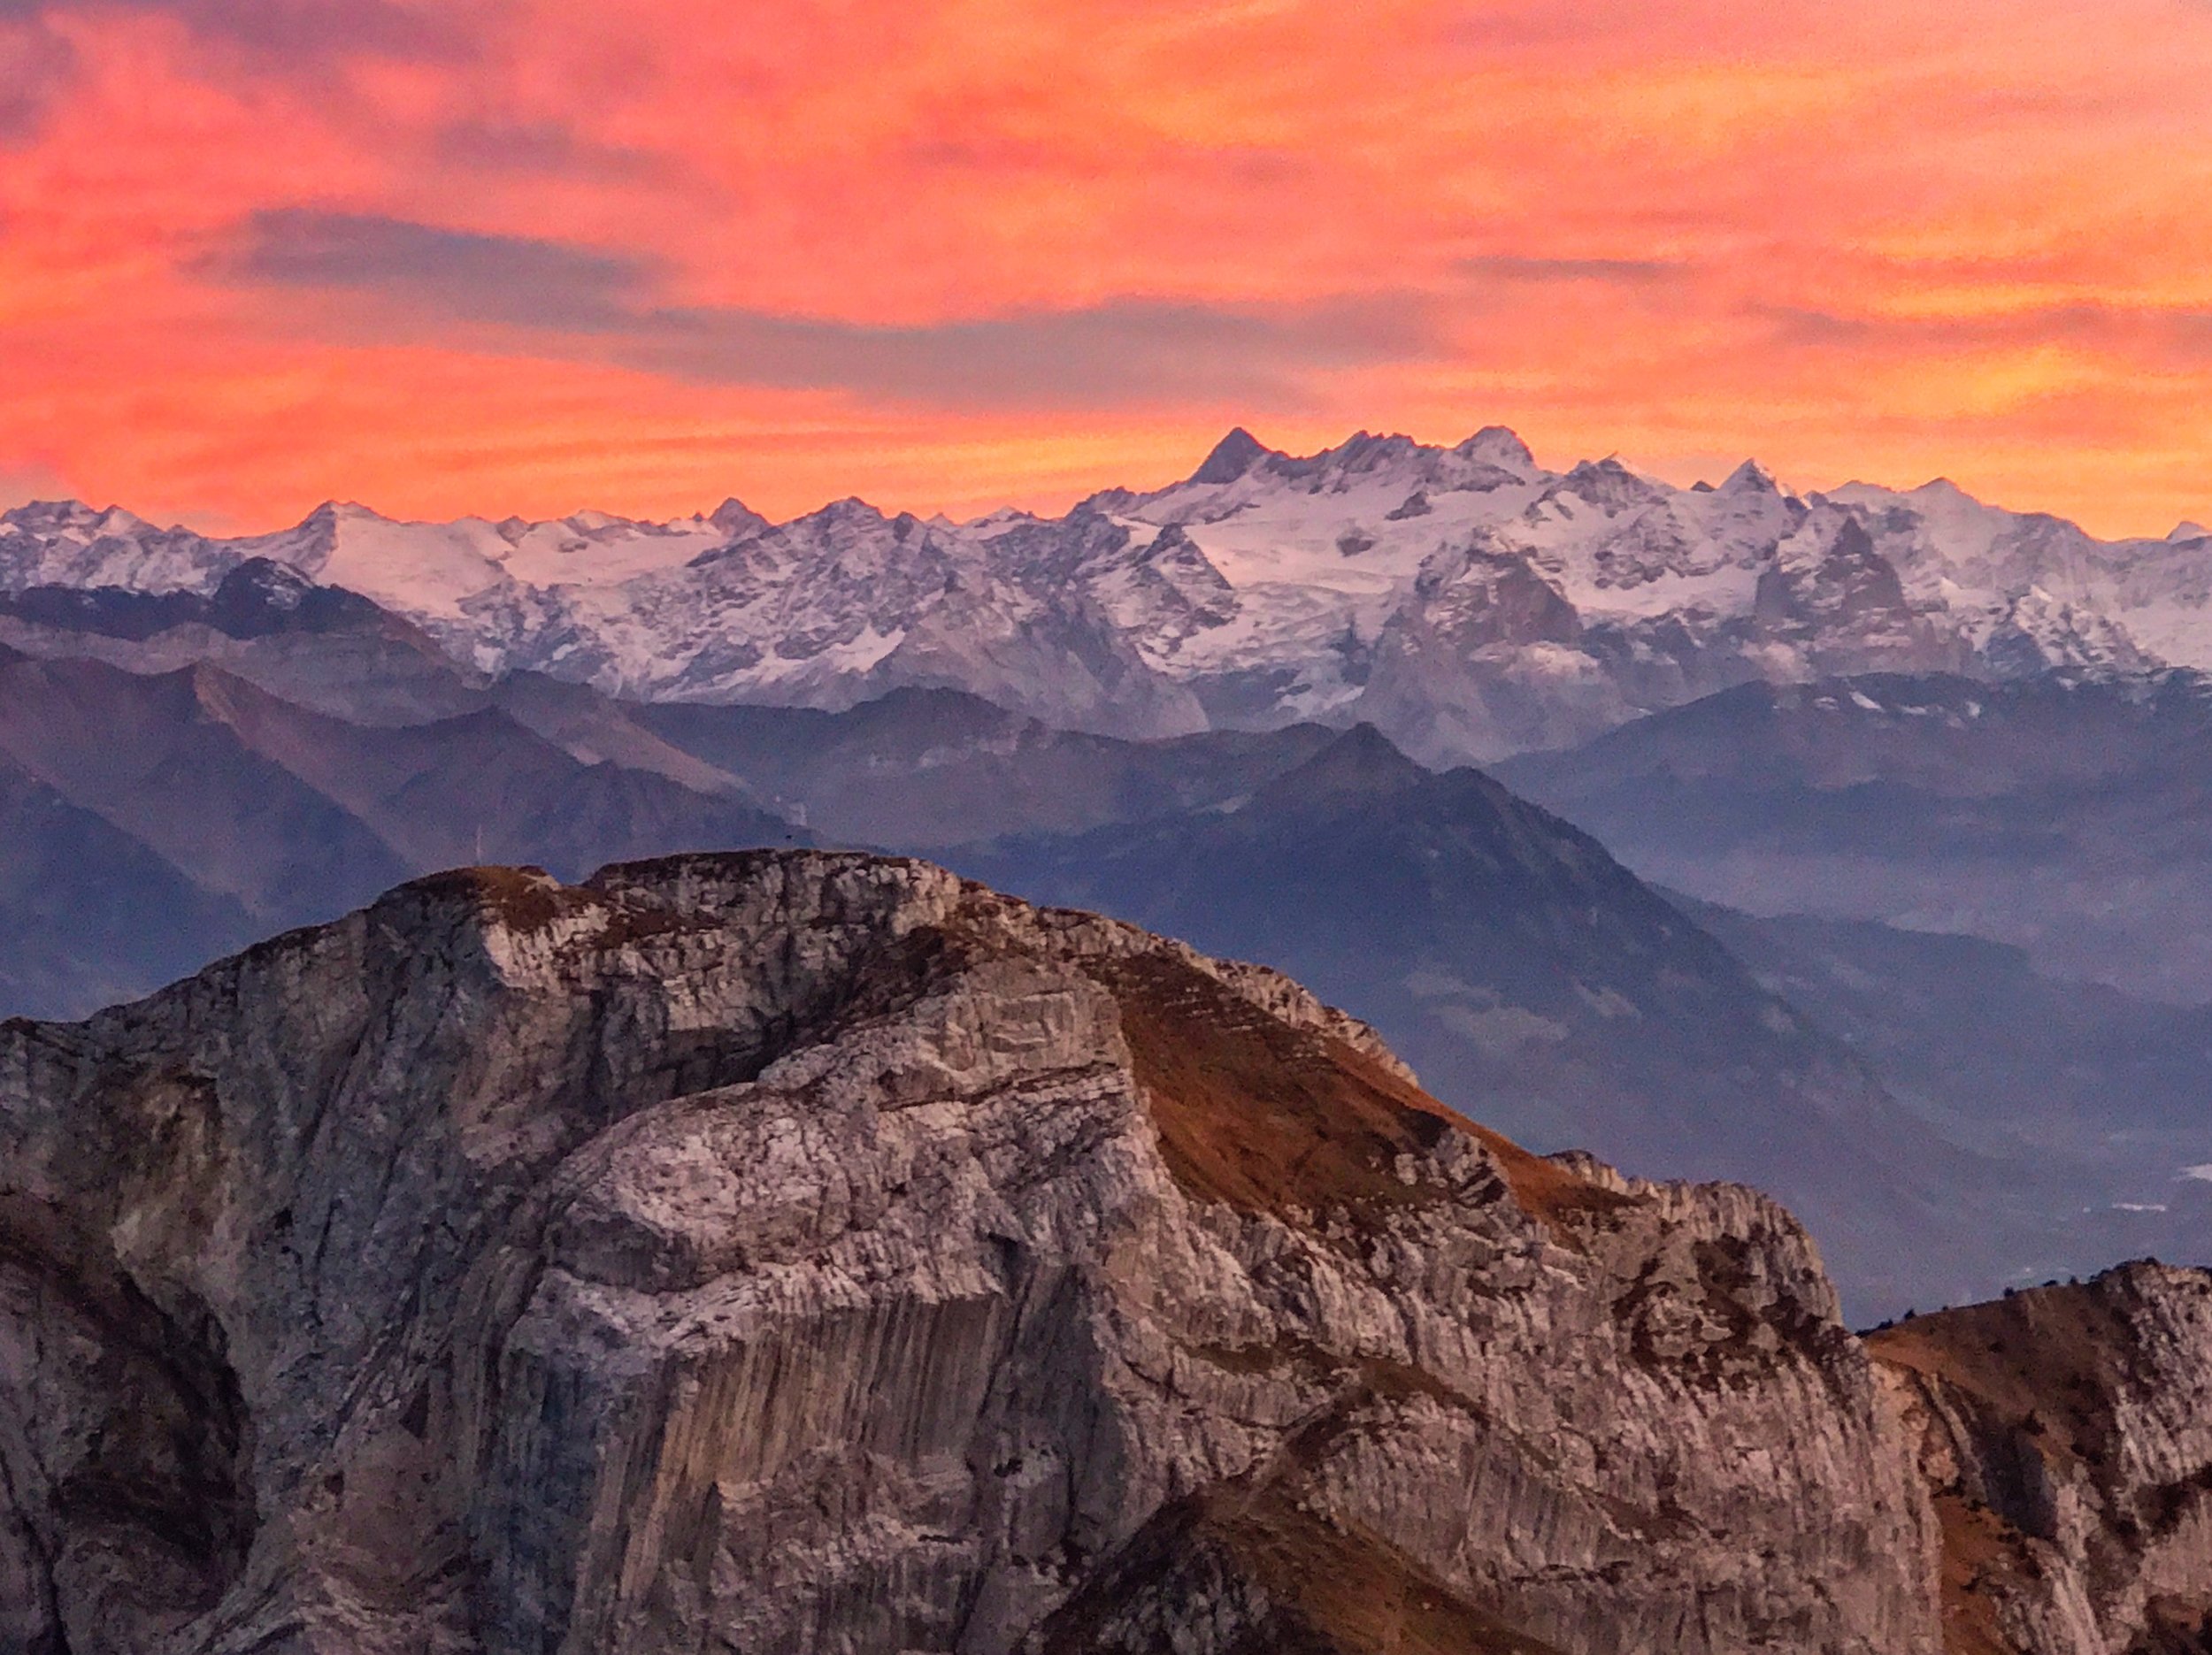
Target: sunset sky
<point>515,255</point>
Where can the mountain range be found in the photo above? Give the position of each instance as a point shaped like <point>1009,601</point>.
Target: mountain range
<point>1466,600</point>
<point>1916,950</point>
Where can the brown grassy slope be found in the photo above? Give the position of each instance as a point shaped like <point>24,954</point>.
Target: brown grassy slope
<point>1266,1117</point>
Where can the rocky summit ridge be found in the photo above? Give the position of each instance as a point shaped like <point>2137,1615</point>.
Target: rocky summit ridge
<point>1469,601</point>
<point>804,1251</point>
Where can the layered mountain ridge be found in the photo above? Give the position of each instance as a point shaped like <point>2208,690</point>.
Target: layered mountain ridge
<point>161,819</point>
<point>1467,601</point>
<point>809,1252</point>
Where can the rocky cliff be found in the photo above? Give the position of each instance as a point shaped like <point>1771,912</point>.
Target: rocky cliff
<point>2067,1436</point>
<point>810,1252</point>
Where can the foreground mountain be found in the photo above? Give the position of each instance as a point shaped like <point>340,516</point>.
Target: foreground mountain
<point>808,1253</point>
<point>1467,601</point>
<point>2060,814</point>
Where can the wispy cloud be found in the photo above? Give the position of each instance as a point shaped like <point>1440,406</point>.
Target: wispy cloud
<point>590,303</point>
<point>2148,334</point>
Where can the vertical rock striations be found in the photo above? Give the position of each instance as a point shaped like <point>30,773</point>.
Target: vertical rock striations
<point>812,1252</point>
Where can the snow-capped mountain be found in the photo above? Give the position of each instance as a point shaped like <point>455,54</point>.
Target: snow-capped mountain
<point>1468,600</point>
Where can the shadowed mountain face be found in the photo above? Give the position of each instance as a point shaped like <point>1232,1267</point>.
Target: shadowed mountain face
<point>320,647</point>
<point>1535,982</point>
<point>257,599</point>
<point>2067,817</point>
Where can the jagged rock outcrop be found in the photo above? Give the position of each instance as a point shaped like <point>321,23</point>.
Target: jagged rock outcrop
<point>801,1251</point>
<point>2067,1433</point>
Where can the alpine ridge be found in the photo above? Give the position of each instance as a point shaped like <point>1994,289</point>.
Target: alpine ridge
<point>1468,602</point>
<point>805,1252</point>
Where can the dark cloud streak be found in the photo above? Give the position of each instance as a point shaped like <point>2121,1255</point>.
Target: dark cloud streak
<point>36,66</point>
<point>584,303</point>
<point>1625,271</point>
<point>542,147</point>
<point>462,273</point>
<point>298,32</point>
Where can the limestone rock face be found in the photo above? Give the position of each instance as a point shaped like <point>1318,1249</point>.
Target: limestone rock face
<point>2067,1433</point>
<point>818,1253</point>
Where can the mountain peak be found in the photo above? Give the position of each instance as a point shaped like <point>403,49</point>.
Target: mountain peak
<point>1370,451</point>
<point>851,512</point>
<point>64,516</point>
<point>734,517</point>
<point>1606,484</point>
<point>49,510</point>
<point>1748,478</point>
<point>1500,447</point>
<point>1232,457</point>
<point>1361,763</point>
<point>332,512</point>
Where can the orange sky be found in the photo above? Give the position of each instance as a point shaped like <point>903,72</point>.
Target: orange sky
<point>504,255</point>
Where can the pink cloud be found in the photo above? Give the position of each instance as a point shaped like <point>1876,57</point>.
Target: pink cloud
<point>950,253</point>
